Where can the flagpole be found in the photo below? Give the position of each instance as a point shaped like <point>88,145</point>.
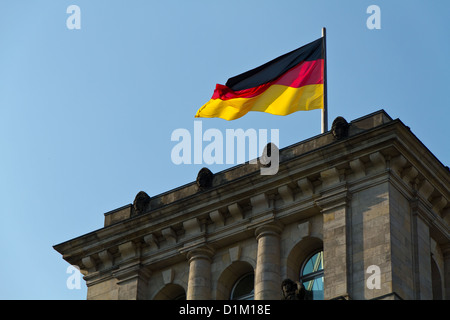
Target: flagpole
<point>325,94</point>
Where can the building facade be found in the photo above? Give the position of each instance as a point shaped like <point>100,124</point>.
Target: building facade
<point>360,212</point>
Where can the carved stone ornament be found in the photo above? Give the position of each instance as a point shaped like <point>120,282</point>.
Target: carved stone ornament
<point>204,179</point>
<point>292,290</point>
<point>141,202</point>
<point>339,128</point>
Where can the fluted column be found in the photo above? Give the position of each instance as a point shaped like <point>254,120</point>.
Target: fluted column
<point>199,283</point>
<point>267,273</point>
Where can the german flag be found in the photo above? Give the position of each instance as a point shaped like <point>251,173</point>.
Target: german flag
<point>289,83</point>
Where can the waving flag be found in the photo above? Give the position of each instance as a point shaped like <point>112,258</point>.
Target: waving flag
<point>289,83</point>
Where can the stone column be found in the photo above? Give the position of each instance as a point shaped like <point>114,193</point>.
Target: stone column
<point>199,283</point>
<point>267,274</point>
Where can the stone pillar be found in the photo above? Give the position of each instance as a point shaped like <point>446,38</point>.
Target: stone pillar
<point>421,253</point>
<point>199,283</point>
<point>132,277</point>
<point>267,273</point>
<point>446,254</point>
<point>334,207</point>
<point>132,283</point>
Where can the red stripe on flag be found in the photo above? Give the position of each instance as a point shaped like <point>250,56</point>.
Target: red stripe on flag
<point>305,73</point>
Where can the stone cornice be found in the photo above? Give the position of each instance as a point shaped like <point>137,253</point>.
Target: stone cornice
<point>314,175</point>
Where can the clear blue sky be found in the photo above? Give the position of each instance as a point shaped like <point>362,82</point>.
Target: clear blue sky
<point>86,115</point>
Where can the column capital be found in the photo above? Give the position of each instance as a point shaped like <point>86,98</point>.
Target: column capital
<point>273,229</point>
<point>204,252</point>
<point>419,208</point>
<point>132,282</point>
<point>335,199</point>
<point>130,272</point>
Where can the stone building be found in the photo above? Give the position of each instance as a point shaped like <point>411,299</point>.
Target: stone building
<point>360,212</point>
